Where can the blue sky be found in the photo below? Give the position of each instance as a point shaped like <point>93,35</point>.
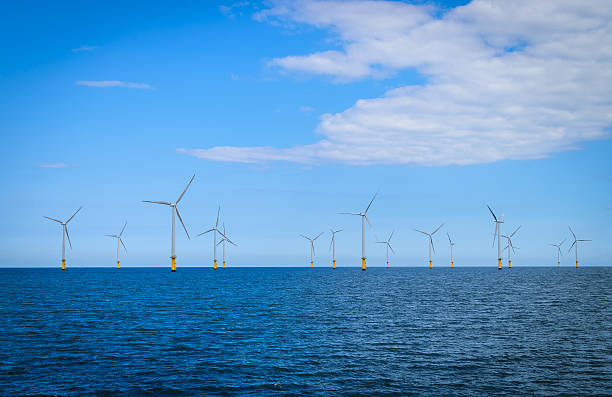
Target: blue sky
<point>290,112</point>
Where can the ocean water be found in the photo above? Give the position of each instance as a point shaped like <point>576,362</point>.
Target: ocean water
<point>275,331</point>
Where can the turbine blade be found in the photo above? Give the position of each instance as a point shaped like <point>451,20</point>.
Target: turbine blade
<point>371,201</point>
<point>124,247</point>
<point>432,244</point>
<point>434,232</point>
<point>495,233</point>
<point>67,235</point>
<point>420,231</point>
<point>371,227</point>
<point>561,243</point>
<point>156,202</point>
<point>319,235</point>
<point>391,248</point>
<point>307,238</point>
<point>220,241</point>
<point>218,212</point>
<point>53,219</point>
<point>331,242</point>
<point>182,194</point>
<point>75,212</point>
<point>123,228</point>
<point>208,231</point>
<point>572,232</point>
<point>571,246</point>
<point>391,235</point>
<point>110,235</point>
<point>181,219</point>
<point>339,230</point>
<point>517,229</point>
<point>449,240</point>
<point>584,240</point>
<point>490,210</point>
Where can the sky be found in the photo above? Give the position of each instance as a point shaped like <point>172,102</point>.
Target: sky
<point>290,112</point>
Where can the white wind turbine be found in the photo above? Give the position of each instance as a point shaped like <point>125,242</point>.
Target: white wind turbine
<point>364,219</point>
<point>431,244</point>
<point>223,240</point>
<point>64,235</point>
<point>215,230</point>
<point>174,207</point>
<point>312,249</point>
<point>332,245</point>
<point>559,254</point>
<point>119,240</point>
<point>497,233</point>
<point>388,246</point>
<point>450,242</point>
<point>510,247</point>
<point>576,244</point>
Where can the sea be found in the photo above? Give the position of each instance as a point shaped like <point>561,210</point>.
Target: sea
<point>467,331</point>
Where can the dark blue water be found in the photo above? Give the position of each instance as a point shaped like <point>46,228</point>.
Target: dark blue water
<point>403,331</point>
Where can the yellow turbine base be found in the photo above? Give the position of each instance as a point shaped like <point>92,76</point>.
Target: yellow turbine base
<point>215,264</point>
<point>224,264</point>
<point>334,264</point>
<point>576,263</point>
<point>452,265</point>
<point>509,264</point>
<point>64,264</point>
<point>558,264</point>
<point>430,264</point>
<point>118,267</point>
<point>363,264</point>
<point>499,264</point>
<point>173,266</point>
<point>387,265</point>
<point>311,265</point>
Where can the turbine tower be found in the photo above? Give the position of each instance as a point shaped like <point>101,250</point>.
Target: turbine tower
<point>364,219</point>
<point>215,230</point>
<point>559,254</point>
<point>119,240</point>
<point>450,242</point>
<point>174,207</point>
<point>510,246</point>
<point>312,250</point>
<point>496,234</point>
<point>431,244</point>
<point>64,235</point>
<point>388,246</point>
<point>223,240</point>
<point>576,244</point>
<point>332,245</point>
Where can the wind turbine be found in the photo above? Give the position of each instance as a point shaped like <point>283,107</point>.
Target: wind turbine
<point>576,244</point>
<point>119,240</point>
<point>216,230</point>
<point>64,235</point>
<point>312,250</point>
<point>496,234</point>
<point>388,245</point>
<point>431,244</point>
<point>559,254</point>
<point>223,240</point>
<point>174,207</point>
<point>332,245</point>
<point>450,242</point>
<point>510,246</point>
<point>364,219</point>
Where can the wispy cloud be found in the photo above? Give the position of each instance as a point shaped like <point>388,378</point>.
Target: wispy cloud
<point>85,48</point>
<point>112,83</point>
<point>505,80</point>
<point>306,109</point>
<point>55,165</point>
<point>231,10</point>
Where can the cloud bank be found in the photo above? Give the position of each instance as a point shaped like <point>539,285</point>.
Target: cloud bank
<point>112,83</point>
<point>505,80</point>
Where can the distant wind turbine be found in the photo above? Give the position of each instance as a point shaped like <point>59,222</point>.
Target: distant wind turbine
<point>119,240</point>
<point>388,246</point>
<point>431,244</point>
<point>576,244</point>
<point>559,254</point>
<point>364,219</point>
<point>215,230</point>
<point>64,235</point>
<point>174,207</point>
<point>312,249</point>
<point>510,247</point>
<point>223,240</point>
<point>450,242</point>
<point>332,245</point>
<point>496,234</point>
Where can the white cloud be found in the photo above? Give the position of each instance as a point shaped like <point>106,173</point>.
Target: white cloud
<point>306,109</point>
<point>229,10</point>
<point>505,80</point>
<point>85,48</point>
<point>55,165</point>
<point>112,83</point>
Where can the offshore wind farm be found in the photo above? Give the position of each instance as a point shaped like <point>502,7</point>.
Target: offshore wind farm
<point>316,156</point>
